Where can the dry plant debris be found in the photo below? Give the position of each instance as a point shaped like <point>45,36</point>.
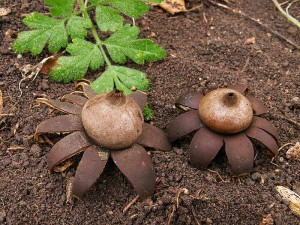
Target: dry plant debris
<point>5,11</point>
<point>226,116</point>
<point>292,198</point>
<point>268,220</point>
<point>294,152</point>
<point>102,126</point>
<point>172,6</point>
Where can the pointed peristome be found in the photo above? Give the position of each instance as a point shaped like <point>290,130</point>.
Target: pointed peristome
<point>257,105</point>
<point>135,163</point>
<point>153,137</point>
<point>58,124</point>
<point>67,147</point>
<point>189,100</point>
<point>75,99</point>
<point>204,147</point>
<point>140,98</point>
<point>184,124</point>
<point>240,153</point>
<point>61,106</point>
<point>263,137</point>
<point>89,169</point>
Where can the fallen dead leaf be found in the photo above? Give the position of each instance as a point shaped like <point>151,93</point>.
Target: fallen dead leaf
<point>294,152</point>
<point>172,6</point>
<point>49,64</point>
<point>1,103</point>
<point>291,198</point>
<point>5,11</point>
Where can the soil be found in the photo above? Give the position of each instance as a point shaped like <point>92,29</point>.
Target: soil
<point>206,50</point>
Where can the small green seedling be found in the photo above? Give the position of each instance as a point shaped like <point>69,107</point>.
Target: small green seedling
<point>71,20</point>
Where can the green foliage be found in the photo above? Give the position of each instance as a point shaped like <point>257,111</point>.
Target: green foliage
<point>148,113</point>
<point>65,23</point>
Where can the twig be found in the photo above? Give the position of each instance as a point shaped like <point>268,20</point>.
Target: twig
<point>290,120</point>
<point>130,203</point>
<point>286,14</point>
<point>283,146</point>
<point>5,114</point>
<point>172,214</point>
<point>239,12</point>
<point>212,171</point>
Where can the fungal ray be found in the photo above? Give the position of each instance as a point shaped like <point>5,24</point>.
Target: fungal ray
<point>257,105</point>
<point>240,153</point>
<point>89,169</point>
<point>75,99</point>
<point>189,100</point>
<point>154,137</point>
<point>184,124</point>
<point>204,147</point>
<point>135,163</point>
<point>67,147</point>
<point>58,124</point>
<point>140,98</point>
<point>263,137</point>
<point>61,106</point>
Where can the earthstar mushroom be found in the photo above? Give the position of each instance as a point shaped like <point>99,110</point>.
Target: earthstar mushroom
<point>227,117</point>
<point>102,126</point>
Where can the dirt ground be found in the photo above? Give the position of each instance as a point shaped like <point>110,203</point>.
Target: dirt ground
<point>206,50</point>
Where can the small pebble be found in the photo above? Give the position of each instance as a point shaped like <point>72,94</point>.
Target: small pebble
<point>6,162</point>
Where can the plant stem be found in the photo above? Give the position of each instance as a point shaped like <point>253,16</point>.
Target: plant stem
<point>288,16</point>
<point>94,31</point>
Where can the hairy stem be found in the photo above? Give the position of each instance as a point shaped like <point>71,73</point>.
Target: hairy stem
<point>286,15</point>
<point>84,10</point>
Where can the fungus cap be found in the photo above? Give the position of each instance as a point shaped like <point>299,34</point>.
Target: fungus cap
<point>225,111</point>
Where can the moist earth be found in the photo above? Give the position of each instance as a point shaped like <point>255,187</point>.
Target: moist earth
<point>206,50</point>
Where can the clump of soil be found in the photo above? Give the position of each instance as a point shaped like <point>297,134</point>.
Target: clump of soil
<point>206,50</point>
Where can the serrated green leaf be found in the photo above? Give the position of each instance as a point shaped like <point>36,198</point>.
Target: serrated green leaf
<point>108,19</point>
<point>132,8</point>
<point>104,83</point>
<point>131,78</point>
<point>77,27</point>
<point>84,54</point>
<point>124,43</point>
<point>123,78</point>
<point>60,8</point>
<point>47,30</point>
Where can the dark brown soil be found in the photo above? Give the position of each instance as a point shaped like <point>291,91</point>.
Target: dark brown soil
<point>201,56</point>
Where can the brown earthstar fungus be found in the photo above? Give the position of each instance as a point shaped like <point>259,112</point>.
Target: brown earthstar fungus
<point>227,117</point>
<point>102,126</point>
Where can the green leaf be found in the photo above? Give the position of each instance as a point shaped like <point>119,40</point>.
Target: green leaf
<point>60,8</point>
<point>108,19</point>
<point>132,8</point>
<point>77,26</point>
<point>47,30</point>
<point>104,83</point>
<point>131,78</point>
<point>83,55</point>
<point>124,43</point>
<point>148,113</point>
<point>123,78</point>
